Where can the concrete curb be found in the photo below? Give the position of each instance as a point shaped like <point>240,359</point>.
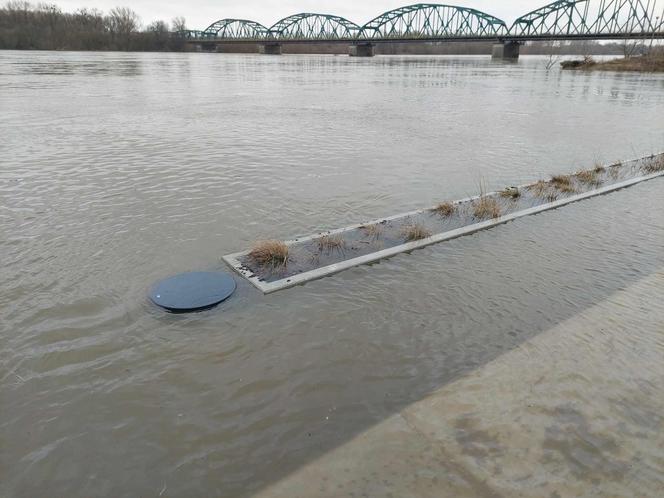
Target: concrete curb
<point>268,287</point>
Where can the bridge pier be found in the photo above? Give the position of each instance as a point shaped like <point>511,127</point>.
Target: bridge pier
<point>270,48</point>
<point>194,47</point>
<point>508,50</point>
<point>362,50</point>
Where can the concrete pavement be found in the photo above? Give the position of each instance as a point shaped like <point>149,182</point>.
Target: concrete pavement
<point>576,411</point>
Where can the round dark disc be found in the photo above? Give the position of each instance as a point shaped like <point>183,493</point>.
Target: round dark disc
<point>192,291</point>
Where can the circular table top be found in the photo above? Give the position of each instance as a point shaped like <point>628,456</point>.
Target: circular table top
<point>193,291</point>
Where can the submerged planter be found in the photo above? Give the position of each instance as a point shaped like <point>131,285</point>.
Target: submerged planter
<point>325,253</point>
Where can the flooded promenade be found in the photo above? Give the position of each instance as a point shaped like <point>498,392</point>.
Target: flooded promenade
<point>514,427</point>
<point>542,336</point>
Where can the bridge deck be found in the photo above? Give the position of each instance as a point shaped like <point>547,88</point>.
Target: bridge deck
<point>497,39</point>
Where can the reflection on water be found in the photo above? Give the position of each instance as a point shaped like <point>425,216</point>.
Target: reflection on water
<point>105,65</point>
<point>119,169</point>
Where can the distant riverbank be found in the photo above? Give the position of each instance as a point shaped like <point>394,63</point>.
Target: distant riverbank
<point>45,27</point>
<point>649,63</point>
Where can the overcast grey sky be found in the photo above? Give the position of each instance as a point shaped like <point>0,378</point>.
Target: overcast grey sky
<point>201,13</point>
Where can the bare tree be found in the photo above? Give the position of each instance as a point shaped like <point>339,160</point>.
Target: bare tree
<point>553,48</point>
<point>18,9</point>
<point>122,22</point>
<point>57,24</point>
<point>656,27</point>
<point>88,30</point>
<point>629,48</point>
<point>159,32</point>
<point>45,27</point>
<point>159,27</point>
<point>18,6</point>
<point>93,18</point>
<point>179,23</point>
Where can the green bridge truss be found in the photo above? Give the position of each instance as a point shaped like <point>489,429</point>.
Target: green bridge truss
<point>426,20</point>
<point>309,26</point>
<point>588,18</point>
<point>236,29</point>
<point>562,18</point>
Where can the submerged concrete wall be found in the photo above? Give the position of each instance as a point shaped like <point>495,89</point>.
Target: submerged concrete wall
<point>466,226</point>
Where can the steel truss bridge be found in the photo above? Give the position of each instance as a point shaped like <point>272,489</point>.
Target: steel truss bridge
<point>560,20</point>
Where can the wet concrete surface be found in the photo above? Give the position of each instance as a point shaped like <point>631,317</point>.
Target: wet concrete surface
<point>516,427</point>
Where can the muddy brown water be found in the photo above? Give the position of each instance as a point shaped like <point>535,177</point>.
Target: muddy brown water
<point>117,170</point>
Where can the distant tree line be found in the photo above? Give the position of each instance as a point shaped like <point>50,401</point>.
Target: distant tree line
<point>46,27</point>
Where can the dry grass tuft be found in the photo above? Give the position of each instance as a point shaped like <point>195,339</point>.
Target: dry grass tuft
<point>567,189</point>
<point>547,190</point>
<point>614,170</point>
<point>563,183</point>
<point>654,164</point>
<point>599,168</point>
<point>588,177</point>
<point>269,253</point>
<point>445,209</point>
<point>539,188</point>
<point>373,231</point>
<point>415,232</point>
<point>330,242</point>
<point>486,207</point>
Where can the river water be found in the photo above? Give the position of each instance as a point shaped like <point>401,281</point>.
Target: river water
<point>117,170</point>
